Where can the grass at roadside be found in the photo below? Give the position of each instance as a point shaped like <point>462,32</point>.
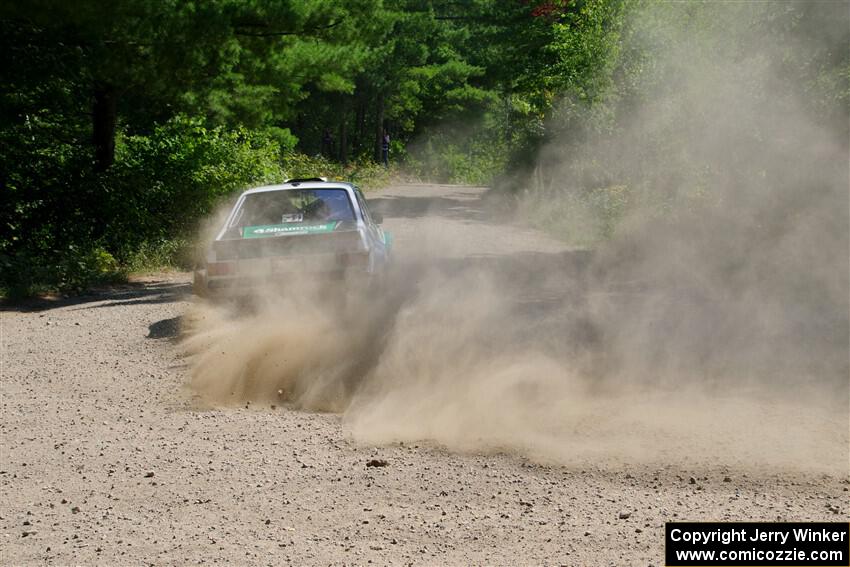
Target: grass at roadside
<point>582,218</point>
<point>588,217</point>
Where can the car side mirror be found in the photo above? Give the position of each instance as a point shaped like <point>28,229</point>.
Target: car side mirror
<point>378,218</point>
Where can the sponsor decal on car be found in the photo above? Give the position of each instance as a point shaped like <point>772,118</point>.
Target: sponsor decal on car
<point>281,229</point>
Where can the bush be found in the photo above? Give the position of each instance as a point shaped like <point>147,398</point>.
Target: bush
<point>162,255</point>
<point>473,161</point>
<point>66,227</point>
<point>163,184</point>
<point>73,269</point>
<point>363,172</point>
<point>583,217</point>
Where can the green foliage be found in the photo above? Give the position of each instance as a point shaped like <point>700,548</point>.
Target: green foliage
<point>121,129</point>
<point>70,269</point>
<point>474,161</point>
<point>162,255</point>
<point>694,108</point>
<point>583,217</point>
<point>363,172</point>
<point>166,182</point>
<point>159,188</point>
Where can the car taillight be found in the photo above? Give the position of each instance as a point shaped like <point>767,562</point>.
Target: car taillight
<point>221,268</point>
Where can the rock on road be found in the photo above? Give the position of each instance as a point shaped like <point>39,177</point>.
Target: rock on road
<point>105,459</point>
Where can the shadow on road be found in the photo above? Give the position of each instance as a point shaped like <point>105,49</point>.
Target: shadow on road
<point>165,329</point>
<point>133,293</point>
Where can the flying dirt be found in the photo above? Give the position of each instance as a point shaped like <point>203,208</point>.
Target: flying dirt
<point>709,325</point>
<point>481,351</point>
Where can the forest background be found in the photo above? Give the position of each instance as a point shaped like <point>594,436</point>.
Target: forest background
<point>124,124</point>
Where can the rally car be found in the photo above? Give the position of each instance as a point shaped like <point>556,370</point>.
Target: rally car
<point>311,227</point>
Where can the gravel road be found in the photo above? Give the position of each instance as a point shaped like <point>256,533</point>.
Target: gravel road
<point>106,458</point>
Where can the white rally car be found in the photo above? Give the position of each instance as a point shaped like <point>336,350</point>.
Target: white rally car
<point>301,227</point>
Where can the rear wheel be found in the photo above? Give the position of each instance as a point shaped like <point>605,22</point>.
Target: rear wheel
<point>199,284</point>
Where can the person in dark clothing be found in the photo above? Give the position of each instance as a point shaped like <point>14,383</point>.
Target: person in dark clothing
<point>327,143</point>
<point>385,149</point>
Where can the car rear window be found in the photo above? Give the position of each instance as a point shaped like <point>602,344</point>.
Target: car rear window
<point>292,207</point>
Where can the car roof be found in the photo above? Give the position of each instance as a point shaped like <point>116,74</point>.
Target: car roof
<point>301,185</point>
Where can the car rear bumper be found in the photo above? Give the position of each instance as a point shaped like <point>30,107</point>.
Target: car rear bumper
<point>205,285</point>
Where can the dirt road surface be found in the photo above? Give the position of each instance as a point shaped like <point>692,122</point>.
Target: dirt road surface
<point>107,460</point>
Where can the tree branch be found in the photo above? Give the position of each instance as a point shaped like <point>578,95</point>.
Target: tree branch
<point>237,31</point>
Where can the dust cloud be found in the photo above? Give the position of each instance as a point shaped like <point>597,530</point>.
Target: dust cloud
<point>454,357</point>
<point>305,347</point>
<point>714,334</point>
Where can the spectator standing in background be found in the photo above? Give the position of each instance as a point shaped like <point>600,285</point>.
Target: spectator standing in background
<point>327,143</point>
<point>385,149</point>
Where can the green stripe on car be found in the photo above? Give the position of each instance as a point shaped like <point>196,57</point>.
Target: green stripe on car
<point>264,231</point>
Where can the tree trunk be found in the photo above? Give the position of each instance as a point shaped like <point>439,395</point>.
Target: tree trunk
<point>360,121</point>
<point>379,126</point>
<point>343,133</point>
<point>104,117</point>
<point>509,133</point>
